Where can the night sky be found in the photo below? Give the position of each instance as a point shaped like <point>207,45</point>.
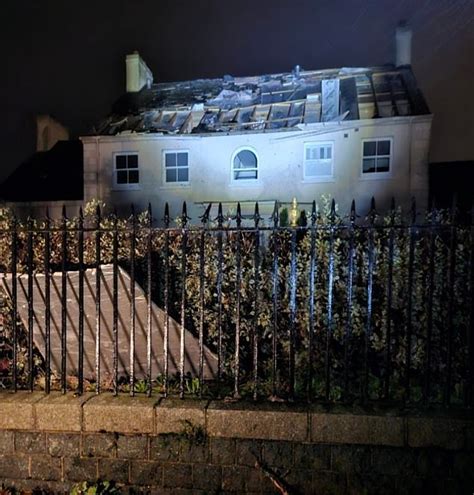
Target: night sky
<point>66,58</point>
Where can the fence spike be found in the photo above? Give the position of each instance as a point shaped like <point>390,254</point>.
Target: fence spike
<point>353,215</point>
<point>150,214</point>
<point>256,215</point>
<point>205,216</point>
<point>220,216</point>
<point>275,216</point>
<point>314,213</point>
<point>392,204</point>
<point>63,212</point>
<point>166,218</point>
<point>238,216</point>
<point>184,215</point>
<point>332,215</point>
<point>372,211</point>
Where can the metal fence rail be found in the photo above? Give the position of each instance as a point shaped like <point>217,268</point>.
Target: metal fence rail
<point>335,308</point>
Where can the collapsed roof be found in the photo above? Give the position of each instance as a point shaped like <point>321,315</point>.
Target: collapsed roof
<point>269,102</point>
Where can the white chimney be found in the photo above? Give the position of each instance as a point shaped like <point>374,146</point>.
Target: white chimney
<point>403,45</point>
<point>137,73</point>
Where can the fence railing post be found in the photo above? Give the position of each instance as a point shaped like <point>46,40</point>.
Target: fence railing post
<point>256,274</point>
<point>370,284</point>
<point>133,240</point>
<point>149,301</point>
<point>220,263</point>
<point>202,259</point>
<point>349,295</point>
<point>98,220</point>
<point>311,306</point>
<point>64,258</point>
<point>30,275</point>
<point>275,288</point>
<point>238,287</point>
<point>327,354</point>
<point>47,301</point>
<point>115,312</point>
<point>166,336</point>
<point>80,360</point>
<point>184,246</point>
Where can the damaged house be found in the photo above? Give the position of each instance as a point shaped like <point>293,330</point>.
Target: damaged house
<point>346,133</point>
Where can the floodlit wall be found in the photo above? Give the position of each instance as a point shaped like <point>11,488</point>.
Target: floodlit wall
<point>280,166</point>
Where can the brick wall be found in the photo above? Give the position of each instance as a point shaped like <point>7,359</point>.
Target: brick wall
<point>171,446</point>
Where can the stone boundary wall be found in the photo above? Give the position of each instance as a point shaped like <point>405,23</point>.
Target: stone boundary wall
<point>152,445</point>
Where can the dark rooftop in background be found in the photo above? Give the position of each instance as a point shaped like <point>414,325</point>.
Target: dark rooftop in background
<point>54,175</point>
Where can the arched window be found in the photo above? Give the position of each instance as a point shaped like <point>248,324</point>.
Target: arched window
<point>245,165</point>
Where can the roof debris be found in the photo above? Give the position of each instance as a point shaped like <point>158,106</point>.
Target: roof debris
<point>268,102</point>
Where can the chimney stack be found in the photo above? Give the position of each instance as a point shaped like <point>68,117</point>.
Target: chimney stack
<point>138,74</point>
<point>403,44</point>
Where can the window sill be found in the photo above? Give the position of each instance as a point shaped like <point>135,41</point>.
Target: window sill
<point>176,185</point>
<point>318,180</point>
<point>128,187</point>
<point>376,176</point>
<point>245,183</point>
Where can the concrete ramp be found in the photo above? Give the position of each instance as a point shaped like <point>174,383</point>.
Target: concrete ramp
<point>106,325</point>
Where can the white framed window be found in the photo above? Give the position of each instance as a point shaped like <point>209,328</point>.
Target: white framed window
<point>376,157</point>
<point>244,165</point>
<point>126,171</point>
<point>318,161</point>
<point>175,167</point>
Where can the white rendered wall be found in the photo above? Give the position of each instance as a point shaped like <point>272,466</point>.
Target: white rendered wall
<point>280,167</point>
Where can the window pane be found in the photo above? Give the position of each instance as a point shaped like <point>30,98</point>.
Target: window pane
<point>383,147</point>
<point>182,159</point>
<point>311,170</point>
<point>369,148</point>
<point>122,177</point>
<point>324,168</point>
<point>245,174</point>
<point>133,177</point>
<point>329,152</point>
<point>383,164</point>
<point>322,153</point>
<point>171,175</point>
<point>132,161</point>
<point>182,175</point>
<point>310,153</point>
<point>170,159</point>
<point>368,165</point>
<point>245,159</point>
<point>319,169</point>
<point>120,161</point>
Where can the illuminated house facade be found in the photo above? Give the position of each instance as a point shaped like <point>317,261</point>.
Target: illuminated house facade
<point>347,133</point>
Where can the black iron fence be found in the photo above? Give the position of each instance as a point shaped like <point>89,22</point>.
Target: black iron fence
<point>333,308</point>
